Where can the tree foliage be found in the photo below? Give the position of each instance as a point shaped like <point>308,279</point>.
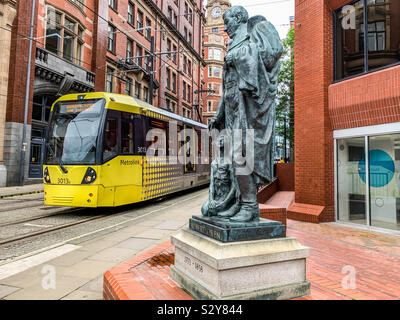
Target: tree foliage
<point>285,94</point>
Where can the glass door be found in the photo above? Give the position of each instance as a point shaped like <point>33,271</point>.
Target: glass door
<point>351,179</point>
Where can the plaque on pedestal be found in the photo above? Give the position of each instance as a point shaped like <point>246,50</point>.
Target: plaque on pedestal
<point>226,231</point>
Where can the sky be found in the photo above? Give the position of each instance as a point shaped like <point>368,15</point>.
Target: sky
<point>276,11</point>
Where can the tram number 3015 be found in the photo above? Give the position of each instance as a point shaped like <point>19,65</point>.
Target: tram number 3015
<point>63,181</point>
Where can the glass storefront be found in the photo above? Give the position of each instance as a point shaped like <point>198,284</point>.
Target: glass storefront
<point>368,180</point>
<point>351,186</point>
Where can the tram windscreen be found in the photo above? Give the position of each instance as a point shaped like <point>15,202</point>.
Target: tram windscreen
<point>73,132</point>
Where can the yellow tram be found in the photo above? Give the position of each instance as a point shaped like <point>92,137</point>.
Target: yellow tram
<point>97,154</point>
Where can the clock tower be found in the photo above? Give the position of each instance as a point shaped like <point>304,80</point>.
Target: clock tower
<point>215,40</point>
<point>215,10</point>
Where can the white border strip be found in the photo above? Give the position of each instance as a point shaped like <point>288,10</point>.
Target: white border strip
<point>12,268</point>
<point>387,128</point>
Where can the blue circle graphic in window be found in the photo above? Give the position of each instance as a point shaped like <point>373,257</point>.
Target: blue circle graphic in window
<point>381,168</point>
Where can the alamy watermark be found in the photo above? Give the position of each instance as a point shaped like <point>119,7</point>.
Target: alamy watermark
<point>49,279</point>
<point>349,280</point>
<point>349,17</point>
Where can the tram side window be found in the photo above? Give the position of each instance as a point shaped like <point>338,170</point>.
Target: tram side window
<point>127,134</point>
<point>110,139</point>
<point>158,146</point>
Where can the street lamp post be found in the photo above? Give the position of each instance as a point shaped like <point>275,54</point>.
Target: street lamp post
<point>27,92</point>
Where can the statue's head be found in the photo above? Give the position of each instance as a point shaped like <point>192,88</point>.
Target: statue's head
<point>233,18</point>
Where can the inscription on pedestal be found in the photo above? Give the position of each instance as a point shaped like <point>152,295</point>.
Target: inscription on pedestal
<point>222,230</point>
<point>195,265</point>
<point>213,233</point>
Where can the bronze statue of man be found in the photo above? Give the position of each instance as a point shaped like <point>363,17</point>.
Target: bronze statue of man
<point>250,80</point>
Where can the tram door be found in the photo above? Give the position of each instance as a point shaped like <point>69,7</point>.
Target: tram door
<point>37,153</point>
<point>190,150</point>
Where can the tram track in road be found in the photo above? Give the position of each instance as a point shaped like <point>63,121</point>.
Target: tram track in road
<point>102,220</point>
<point>45,228</point>
<point>98,213</point>
<point>54,214</point>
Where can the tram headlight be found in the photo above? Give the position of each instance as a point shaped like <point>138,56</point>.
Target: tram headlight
<point>90,176</point>
<point>46,175</point>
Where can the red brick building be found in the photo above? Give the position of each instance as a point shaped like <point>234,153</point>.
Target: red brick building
<point>347,112</point>
<point>99,45</point>
<point>215,40</point>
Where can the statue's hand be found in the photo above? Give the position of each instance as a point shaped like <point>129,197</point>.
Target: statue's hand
<point>228,59</point>
<point>212,204</point>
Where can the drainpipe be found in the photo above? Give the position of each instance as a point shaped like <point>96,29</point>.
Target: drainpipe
<point>27,92</point>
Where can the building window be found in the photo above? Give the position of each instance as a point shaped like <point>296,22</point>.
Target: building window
<point>148,31</point>
<point>170,14</point>
<point>186,10</point>
<point>364,47</point>
<point>184,64</point>
<point>174,55</point>
<point>138,89</point>
<point>174,82</point>
<point>139,22</point>
<point>64,36</point>
<point>128,87</point>
<point>148,62</point>
<point>190,37</point>
<point>173,107</point>
<point>112,4</point>
<point>186,113</point>
<point>131,10</point>
<point>217,54</point>
<point>109,79</point>
<point>169,48</point>
<point>129,51</point>
<point>189,67</point>
<point>146,94</point>
<point>217,72</point>
<point>185,33</point>
<point>382,186</point>
<point>111,38</point>
<point>189,93</point>
<point>79,3</point>
<point>190,16</point>
<point>41,107</point>
<point>184,90</point>
<point>168,85</point>
<point>214,30</point>
<point>209,106</point>
<point>139,55</point>
<point>210,72</point>
<point>210,54</point>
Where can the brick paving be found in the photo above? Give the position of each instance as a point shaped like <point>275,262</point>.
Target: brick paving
<point>334,250</point>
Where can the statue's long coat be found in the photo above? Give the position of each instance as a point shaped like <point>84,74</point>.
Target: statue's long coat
<point>255,64</point>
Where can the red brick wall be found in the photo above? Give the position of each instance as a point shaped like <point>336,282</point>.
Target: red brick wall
<point>19,63</point>
<point>366,100</point>
<point>268,191</point>
<point>313,132</point>
<point>285,174</point>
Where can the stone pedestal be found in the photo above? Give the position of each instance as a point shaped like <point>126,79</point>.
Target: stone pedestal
<point>270,269</point>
